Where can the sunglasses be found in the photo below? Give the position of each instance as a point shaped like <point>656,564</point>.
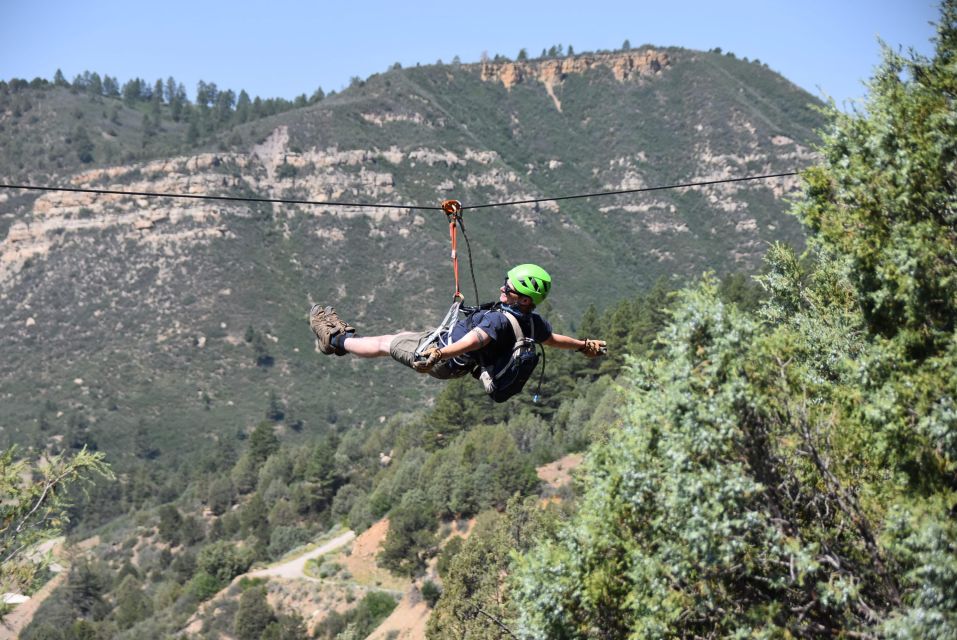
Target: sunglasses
<point>507,288</point>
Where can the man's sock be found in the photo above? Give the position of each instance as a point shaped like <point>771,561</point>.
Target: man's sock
<point>339,342</point>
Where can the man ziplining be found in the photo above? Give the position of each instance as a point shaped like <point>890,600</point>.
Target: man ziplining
<point>491,339</point>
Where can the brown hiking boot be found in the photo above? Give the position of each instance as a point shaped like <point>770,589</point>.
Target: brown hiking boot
<point>326,324</point>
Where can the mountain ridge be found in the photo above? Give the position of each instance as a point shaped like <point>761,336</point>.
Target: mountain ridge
<point>168,300</point>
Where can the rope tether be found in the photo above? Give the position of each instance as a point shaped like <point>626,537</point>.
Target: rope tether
<point>453,210</point>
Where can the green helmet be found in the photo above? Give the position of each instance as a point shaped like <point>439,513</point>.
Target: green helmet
<point>532,281</point>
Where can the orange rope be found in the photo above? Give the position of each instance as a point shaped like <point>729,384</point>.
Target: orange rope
<point>455,257</point>
<point>453,209</point>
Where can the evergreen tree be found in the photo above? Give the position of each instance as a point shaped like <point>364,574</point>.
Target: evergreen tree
<point>111,88</point>
<point>254,614</point>
<point>263,442</point>
<point>320,472</point>
<point>410,536</point>
<point>178,104</point>
<point>169,90</point>
<point>223,561</point>
<point>475,602</point>
<point>243,107</point>
<point>220,495</point>
<point>169,524</point>
<point>84,148</point>
<point>132,605</point>
<point>790,472</point>
<point>255,519</point>
<point>95,86</point>
<point>274,408</point>
<point>132,91</point>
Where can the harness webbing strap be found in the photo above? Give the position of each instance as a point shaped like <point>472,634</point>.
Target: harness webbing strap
<point>444,327</point>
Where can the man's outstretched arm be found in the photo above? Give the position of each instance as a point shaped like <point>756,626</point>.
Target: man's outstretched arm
<point>590,348</point>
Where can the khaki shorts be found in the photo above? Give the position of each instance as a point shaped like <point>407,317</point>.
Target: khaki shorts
<point>402,349</point>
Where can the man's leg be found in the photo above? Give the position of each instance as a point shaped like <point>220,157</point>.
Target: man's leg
<point>368,346</point>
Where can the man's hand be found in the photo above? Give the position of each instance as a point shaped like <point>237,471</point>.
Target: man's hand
<point>431,357</point>
<point>593,348</point>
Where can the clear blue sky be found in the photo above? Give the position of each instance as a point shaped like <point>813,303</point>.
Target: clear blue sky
<point>283,48</point>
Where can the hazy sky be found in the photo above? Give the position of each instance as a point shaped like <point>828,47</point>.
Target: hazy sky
<point>283,48</point>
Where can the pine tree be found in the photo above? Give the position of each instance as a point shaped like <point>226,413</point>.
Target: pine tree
<point>254,614</point>
<point>132,605</point>
<point>263,442</point>
<point>790,472</point>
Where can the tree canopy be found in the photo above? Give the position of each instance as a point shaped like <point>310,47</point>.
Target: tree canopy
<point>791,472</point>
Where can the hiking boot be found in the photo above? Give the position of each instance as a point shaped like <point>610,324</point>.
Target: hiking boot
<point>326,324</point>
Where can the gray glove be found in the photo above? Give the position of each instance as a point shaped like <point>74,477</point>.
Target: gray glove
<point>430,358</point>
<point>593,348</point>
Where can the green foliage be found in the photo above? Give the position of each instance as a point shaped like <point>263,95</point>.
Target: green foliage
<point>223,560</point>
<point>263,442</point>
<point>220,496</point>
<point>410,539</point>
<point>789,472</point>
<point>431,593</point>
<point>885,200</point>
<point>144,396</point>
<point>475,602</point>
<point>286,627</point>
<point>358,622</point>
<point>34,506</point>
<point>170,524</point>
<point>204,586</point>
<point>132,605</point>
<point>482,469</point>
<point>254,614</point>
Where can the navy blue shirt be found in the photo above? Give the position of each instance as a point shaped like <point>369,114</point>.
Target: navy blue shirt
<point>499,330</point>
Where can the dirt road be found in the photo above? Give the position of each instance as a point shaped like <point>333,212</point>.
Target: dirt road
<point>295,568</point>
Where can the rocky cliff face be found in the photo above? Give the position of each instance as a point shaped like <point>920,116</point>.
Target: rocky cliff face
<point>624,66</point>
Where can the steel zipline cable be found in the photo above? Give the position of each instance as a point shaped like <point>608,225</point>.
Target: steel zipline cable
<point>199,196</point>
<point>626,191</point>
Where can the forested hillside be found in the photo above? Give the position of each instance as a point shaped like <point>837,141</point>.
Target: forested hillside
<point>184,321</point>
<point>772,456</point>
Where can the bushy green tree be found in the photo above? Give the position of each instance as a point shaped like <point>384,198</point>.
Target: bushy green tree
<point>34,507</point>
<point>410,538</point>
<point>132,605</point>
<point>254,614</point>
<point>170,523</point>
<point>790,472</point>
<point>220,495</point>
<point>223,561</point>
<point>263,442</point>
<point>474,602</point>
